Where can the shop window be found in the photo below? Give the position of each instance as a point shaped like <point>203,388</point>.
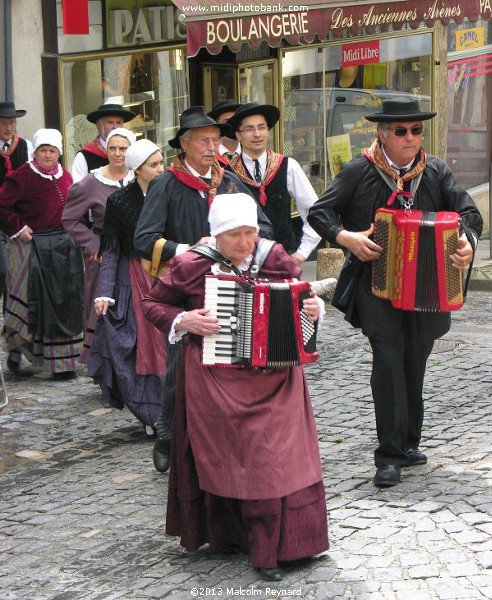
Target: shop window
<point>153,85</point>
<point>469,119</point>
<point>327,92</point>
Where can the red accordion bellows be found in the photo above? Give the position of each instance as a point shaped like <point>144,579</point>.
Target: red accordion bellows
<point>414,270</point>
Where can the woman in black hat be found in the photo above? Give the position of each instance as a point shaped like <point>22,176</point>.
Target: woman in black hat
<point>94,154</point>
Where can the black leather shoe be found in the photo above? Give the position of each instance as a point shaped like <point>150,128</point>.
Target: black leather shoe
<point>275,574</point>
<point>65,375</point>
<point>161,455</point>
<point>12,365</point>
<point>387,476</point>
<point>415,457</point>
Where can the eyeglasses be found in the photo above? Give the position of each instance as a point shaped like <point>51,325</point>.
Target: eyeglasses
<point>205,141</point>
<point>251,129</point>
<point>402,131</point>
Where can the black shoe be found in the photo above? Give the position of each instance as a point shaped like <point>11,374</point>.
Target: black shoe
<point>415,457</point>
<point>161,455</point>
<point>275,574</point>
<point>65,375</point>
<point>387,476</point>
<point>12,365</point>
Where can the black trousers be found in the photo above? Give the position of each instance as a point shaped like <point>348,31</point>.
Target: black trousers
<point>397,380</point>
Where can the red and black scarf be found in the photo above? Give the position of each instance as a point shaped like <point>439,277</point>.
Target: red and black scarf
<point>184,175</point>
<point>274,161</point>
<point>376,156</point>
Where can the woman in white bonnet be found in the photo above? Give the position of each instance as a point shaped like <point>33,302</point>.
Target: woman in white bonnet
<point>245,465</point>
<point>128,353</point>
<point>44,311</point>
<point>83,216</point>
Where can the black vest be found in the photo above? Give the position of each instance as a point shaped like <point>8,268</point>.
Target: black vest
<point>93,160</point>
<point>17,159</point>
<point>278,208</point>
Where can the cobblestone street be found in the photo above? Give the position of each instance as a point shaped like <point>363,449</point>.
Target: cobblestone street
<point>83,508</point>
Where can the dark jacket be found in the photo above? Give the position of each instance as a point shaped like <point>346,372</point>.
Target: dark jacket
<point>180,214</point>
<point>350,203</point>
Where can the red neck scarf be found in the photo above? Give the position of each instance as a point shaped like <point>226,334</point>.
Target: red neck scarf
<point>43,170</point>
<point>95,147</point>
<point>274,161</point>
<point>184,175</point>
<point>7,153</point>
<point>375,155</point>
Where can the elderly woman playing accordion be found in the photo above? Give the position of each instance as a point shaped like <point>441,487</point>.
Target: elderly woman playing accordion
<point>245,471</point>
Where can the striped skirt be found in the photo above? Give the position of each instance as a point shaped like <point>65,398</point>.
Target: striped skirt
<point>55,354</point>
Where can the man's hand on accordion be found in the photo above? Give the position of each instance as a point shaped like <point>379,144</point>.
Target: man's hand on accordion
<point>464,255</point>
<point>196,321</point>
<point>359,243</point>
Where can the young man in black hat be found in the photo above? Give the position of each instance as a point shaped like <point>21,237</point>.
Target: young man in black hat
<point>396,172</point>
<point>228,147</point>
<point>176,209</point>
<point>14,152</point>
<point>273,178</point>
<point>93,155</point>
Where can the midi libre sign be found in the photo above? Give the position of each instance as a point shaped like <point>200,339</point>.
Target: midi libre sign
<point>214,27</point>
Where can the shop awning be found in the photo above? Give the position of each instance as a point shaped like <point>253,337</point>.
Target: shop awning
<point>213,25</point>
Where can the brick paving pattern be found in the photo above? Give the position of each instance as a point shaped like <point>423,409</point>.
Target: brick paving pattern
<point>82,508</point>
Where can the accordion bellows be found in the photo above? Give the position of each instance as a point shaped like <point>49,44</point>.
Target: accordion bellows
<point>262,323</point>
<point>414,270</point>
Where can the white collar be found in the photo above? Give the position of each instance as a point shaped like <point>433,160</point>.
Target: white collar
<point>57,175</point>
<point>262,158</point>
<point>392,164</point>
<point>113,182</point>
<point>196,173</point>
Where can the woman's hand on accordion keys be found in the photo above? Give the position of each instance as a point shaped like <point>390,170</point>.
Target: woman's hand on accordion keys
<point>196,321</point>
<point>359,243</point>
<point>464,255</point>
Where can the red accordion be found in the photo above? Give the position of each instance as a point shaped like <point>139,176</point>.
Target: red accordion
<point>414,270</point>
<point>262,323</point>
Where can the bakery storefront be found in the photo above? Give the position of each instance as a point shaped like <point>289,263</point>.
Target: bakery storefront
<point>327,64</point>
<point>134,55</point>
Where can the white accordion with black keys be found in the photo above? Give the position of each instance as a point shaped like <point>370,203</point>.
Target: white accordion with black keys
<point>262,323</point>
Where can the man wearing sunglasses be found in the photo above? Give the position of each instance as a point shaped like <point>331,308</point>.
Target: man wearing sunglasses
<point>395,172</point>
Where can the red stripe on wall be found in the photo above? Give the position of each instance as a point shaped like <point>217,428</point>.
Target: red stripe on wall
<point>75,17</point>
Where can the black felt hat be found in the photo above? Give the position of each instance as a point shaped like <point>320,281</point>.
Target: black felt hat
<point>269,111</point>
<point>193,118</point>
<point>110,110</point>
<point>400,109</point>
<point>222,107</point>
<point>7,111</point>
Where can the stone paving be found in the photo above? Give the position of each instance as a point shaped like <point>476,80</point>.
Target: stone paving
<point>82,508</point>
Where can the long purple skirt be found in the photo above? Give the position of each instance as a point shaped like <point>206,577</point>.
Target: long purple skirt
<point>112,361</point>
<point>272,531</point>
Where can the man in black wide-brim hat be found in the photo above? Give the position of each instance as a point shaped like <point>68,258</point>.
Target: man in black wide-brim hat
<point>397,173</point>
<point>273,179</point>
<point>229,146</point>
<point>14,152</point>
<point>176,209</point>
<point>93,155</point>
